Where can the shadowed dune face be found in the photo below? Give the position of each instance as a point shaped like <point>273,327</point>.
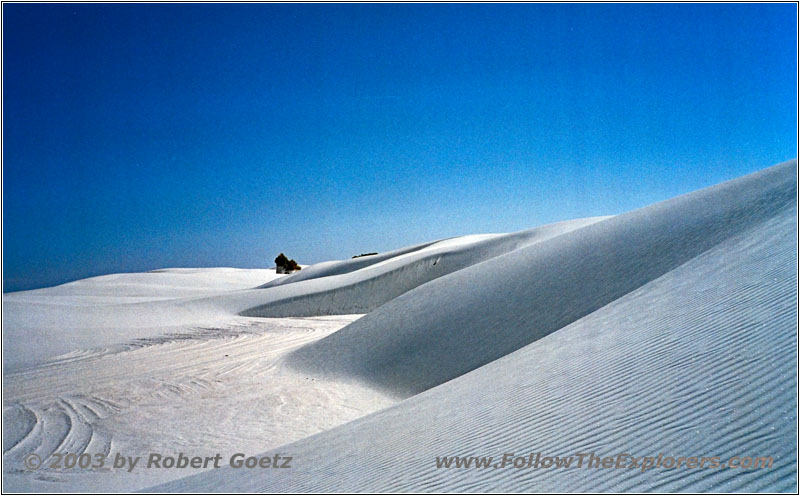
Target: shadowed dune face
<point>464,320</point>
<point>697,362</point>
<point>363,289</point>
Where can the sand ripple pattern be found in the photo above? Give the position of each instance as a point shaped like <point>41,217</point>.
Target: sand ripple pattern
<point>697,362</point>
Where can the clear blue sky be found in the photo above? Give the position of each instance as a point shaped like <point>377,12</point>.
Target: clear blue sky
<point>138,137</point>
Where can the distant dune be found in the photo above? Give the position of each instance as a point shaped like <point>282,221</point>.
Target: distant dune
<point>361,285</point>
<point>668,330</point>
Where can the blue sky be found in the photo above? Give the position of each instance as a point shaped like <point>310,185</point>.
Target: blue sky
<point>138,137</point>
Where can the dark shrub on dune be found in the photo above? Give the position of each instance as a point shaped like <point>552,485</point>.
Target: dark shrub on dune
<point>284,265</point>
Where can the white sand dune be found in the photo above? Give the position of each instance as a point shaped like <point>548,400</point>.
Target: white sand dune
<point>670,329</point>
<point>92,365</point>
<point>364,289</point>
<point>459,322</point>
<point>100,311</point>
<point>697,362</point>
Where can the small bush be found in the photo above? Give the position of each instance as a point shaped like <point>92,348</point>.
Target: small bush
<point>281,260</point>
<point>283,265</point>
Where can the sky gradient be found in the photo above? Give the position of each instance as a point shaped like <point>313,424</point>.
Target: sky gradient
<point>138,137</point>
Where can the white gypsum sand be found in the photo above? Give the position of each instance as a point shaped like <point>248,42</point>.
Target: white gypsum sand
<point>208,390</point>
<point>698,362</point>
<point>668,329</point>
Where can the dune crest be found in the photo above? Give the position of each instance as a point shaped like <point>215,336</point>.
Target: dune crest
<point>325,291</point>
<point>466,319</point>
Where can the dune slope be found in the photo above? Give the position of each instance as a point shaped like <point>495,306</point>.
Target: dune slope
<point>699,362</point>
<point>471,317</point>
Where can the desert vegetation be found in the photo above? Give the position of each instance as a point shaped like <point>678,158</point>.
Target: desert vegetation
<point>284,265</point>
